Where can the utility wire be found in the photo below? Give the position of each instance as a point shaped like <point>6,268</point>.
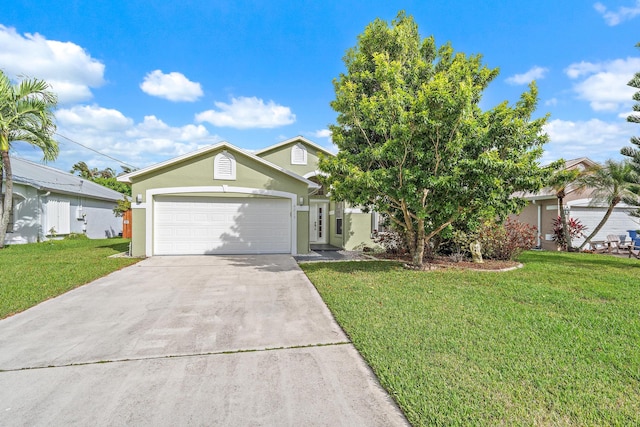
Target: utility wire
<point>96,151</point>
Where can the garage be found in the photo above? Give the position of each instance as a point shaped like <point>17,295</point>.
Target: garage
<point>618,223</point>
<point>192,225</point>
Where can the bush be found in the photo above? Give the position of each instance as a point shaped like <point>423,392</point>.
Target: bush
<point>576,231</point>
<point>76,236</point>
<point>506,241</point>
<point>392,241</point>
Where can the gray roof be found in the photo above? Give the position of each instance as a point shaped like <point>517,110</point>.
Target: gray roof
<point>550,193</point>
<point>47,178</point>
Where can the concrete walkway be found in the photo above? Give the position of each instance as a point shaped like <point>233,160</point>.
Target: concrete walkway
<point>219,340</point>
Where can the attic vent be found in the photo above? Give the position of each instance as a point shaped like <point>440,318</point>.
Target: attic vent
<point>224,166</point>
<point>298,155</point>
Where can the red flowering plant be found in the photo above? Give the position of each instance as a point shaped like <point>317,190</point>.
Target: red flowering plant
<point>576,231</point>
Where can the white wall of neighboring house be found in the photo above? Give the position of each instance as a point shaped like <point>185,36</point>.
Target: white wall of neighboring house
<point>99,217</point>
<point>26,215</point>
<point>36,214</point>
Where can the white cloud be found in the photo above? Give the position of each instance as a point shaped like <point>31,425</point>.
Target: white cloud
<point>594,138</point>
<point>604,84</point>
<point>111,132</point>
<point>173,86</point>
<point>67,67</point>
<point>535,73</point>
<point>551,102</point>
<point>322,133</point>
<point>622,14</point>
<point>245,113</point>
<point>92,117</point>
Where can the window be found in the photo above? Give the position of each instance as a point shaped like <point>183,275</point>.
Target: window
<point>298,155</point>
<point>339,212</point>
<point>224,166</point>
<point>58,214</point>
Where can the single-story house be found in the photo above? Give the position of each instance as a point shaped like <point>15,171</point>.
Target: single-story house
<point>225,200</point>
<point>48,203</point>
<point>543,207</point>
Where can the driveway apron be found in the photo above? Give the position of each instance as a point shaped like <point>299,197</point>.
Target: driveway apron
<point>211,340</point>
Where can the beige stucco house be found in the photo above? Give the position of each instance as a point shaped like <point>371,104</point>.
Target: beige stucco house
<point>543,207</point>
<point>225,200</point>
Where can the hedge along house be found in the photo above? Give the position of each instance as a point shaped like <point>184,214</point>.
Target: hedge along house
<point>225,200</point>
<point>50,203</point>
<point>543,208</point>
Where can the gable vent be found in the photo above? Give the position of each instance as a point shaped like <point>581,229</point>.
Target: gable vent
<point>298,155</point>
<point>224,166</point>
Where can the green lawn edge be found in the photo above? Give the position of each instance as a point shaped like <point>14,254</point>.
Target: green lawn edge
<point>556,342</point>
<point>33,273</point>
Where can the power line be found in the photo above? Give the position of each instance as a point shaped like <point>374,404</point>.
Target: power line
<point>96,151</point>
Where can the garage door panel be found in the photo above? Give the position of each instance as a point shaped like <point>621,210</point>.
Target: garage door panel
<point>618,223</point>
<point>208,225</point>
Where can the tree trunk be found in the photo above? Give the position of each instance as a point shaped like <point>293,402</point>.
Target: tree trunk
<point>417,256</point>
<point>565,226</point>
<point>7,204</point>
<point>600,224</point>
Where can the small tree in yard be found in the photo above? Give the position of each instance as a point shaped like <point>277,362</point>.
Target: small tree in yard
<point>560,182</point>
<point>413,142</point>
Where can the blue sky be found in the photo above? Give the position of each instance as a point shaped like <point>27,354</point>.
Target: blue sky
<point>146,81</point>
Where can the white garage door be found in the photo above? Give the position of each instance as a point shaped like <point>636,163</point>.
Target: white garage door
<point>210,225</point>
<point>619,221</point>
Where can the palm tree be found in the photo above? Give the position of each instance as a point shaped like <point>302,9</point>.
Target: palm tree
<point>560,182</point>
<point>611,184</point>
<point>26,114</point>
<point>83,170</point>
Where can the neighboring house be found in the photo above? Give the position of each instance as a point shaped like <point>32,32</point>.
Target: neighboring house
<point>225,200</point>
<point>543,208</point>
<point>48,203</point>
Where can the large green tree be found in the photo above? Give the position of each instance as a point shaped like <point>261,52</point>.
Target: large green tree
<point>414,143</point>
<point>634,153</point>
<point>26,114</point>
<point>611,184</point>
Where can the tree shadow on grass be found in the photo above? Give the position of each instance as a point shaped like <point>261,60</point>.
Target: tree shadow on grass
<point>118,247</point>
<point>353,266</point>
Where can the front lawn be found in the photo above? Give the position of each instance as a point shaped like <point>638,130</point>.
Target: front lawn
<point>30,274</point>
<point>554,343</point>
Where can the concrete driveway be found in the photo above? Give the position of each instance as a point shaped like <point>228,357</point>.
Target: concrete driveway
<point>217,340</point>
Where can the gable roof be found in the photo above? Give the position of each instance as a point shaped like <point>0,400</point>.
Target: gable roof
<point>289,141</point>
<point>211,148</point>
<point>550,193</point>
<point>47,178</point>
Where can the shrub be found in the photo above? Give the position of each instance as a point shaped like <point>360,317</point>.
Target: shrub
<point>576,231</point>
<point>392,241</point>
<point>76,236</point>
<point>506,241</point>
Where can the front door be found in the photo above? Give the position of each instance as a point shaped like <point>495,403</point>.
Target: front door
<point>318,222</point>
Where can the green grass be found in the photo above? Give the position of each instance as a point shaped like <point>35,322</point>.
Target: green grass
<point>30,274</point>
<point>554,343</point>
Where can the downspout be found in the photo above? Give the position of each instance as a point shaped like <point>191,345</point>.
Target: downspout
<point>539,225</point>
